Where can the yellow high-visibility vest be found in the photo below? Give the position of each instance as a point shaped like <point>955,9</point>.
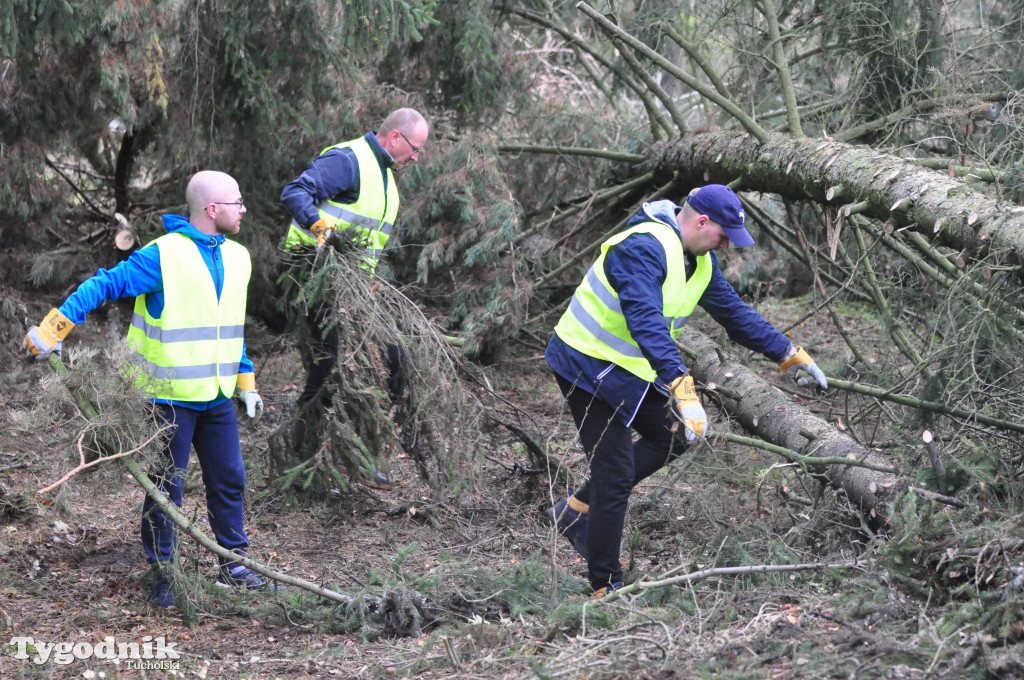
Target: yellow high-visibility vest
<point>192,352</point>
<point>371,217</point>
<point>594,323</point>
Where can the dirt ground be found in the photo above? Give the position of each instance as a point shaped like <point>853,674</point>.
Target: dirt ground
<point>488,590</point>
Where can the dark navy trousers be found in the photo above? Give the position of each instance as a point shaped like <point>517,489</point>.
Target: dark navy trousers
<point>617,464</point>
<point>214,433</point>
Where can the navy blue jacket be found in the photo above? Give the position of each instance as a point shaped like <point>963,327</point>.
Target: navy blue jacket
<point>333,175</point>
<point>636,268</point>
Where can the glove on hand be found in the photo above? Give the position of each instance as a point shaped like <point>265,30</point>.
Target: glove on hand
<point>688,406</point>
<point>802,361</point>
<point>48,337</point>
<point>245,389</point>
<point>321,230</point>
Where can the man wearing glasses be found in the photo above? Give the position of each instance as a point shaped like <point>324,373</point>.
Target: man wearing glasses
<point>349,187</point>
<point>187,332</point>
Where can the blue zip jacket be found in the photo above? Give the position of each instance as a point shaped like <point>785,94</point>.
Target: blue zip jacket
<point>636,268</point>
<point>333,175</point>
<point>140,275</point>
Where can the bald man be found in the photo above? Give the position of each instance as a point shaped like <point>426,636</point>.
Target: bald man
<point>187,333</point>
<point>349,188</point>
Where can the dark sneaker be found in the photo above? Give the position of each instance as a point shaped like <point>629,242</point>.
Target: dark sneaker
<point>377,481</point>
<point>604,590</point>
<point>237,576</point>
<point>160,593</point>
<point>571,524</point>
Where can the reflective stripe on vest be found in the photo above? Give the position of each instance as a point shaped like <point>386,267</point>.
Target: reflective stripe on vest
<point>371,216</point>
<point>192,352</point>
<point>594,324</point>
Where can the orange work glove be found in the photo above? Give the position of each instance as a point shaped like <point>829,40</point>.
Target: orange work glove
<point>321,230</point>
<point>48,337</point>
<point>802,361</point>
<point>689,408</point>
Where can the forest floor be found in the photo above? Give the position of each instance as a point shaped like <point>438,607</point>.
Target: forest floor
<point>473,585</point>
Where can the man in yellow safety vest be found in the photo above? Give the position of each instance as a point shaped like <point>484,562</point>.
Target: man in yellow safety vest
<point>614,356</point>
<point>187,331</point>
<point>350,187</point>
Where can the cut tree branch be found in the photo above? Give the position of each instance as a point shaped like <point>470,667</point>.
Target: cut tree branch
<point>779,420</point>
<point>794,457</point>
<point>936,407</point>
<point>585,45</point>
<point>721,571</point>
<point>946,210</point>
<point>175,515</point>
<point>82,465</point>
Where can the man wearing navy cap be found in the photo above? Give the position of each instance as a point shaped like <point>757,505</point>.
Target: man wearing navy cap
<point>615,359</point>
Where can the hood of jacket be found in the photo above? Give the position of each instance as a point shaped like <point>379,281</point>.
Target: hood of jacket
<point>661,211</point>
<point>181,225</point>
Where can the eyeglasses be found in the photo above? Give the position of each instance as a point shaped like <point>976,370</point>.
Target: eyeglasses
<point>237,204</point>
<point>415,149</point>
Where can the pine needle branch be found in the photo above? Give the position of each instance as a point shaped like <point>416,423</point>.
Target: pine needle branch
<point>585,252</point>
<point>602,196</point>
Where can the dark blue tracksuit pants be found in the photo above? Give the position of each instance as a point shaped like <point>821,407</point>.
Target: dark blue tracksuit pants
<point>617,464</point>
<point>214,433</point>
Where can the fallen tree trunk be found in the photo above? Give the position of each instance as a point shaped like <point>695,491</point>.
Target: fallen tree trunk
<point>774,417</point>
<point>947,210</point>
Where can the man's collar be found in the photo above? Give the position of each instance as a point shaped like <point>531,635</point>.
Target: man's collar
<point>383,157</point>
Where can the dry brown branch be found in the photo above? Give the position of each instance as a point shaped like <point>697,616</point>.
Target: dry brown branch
<point>938,497</point>
<point>82,465</point>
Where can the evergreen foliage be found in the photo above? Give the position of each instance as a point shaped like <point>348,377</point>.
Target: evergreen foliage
<point>111,106</point>
<point>425,408</point>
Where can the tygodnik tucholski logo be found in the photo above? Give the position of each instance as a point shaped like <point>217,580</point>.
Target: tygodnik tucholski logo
<point>146,653</point>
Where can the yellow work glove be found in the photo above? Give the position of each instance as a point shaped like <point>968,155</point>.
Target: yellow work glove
<point>688,406</point>
<point>48,337</point>
<point>321,230</point>
<point>245,389</point>
<point>802,361</point>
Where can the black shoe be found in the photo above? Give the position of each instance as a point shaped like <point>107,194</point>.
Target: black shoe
<point>571,524</point>
<point>605,590</point>
<point>377,481</point>
<point>237,576</point>
<point>160,593</point>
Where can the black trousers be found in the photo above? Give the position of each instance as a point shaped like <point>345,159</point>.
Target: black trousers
<point>320,355</point>
<point>617,464</point>
<point>319,347</point>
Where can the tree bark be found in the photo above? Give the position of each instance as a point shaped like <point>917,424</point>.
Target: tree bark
<point>947,210</point>
<point>777,419</point>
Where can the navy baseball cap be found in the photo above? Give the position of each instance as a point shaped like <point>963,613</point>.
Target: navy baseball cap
<point>723,206</point>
